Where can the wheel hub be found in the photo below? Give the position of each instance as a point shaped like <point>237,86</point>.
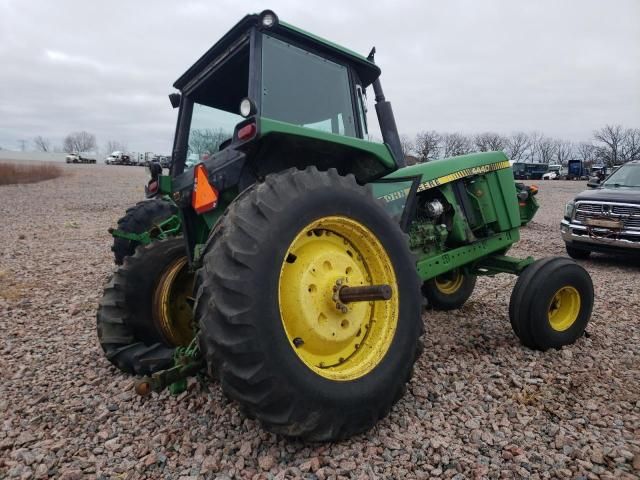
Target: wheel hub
<point>564,308</point>
<point>450,282</point>
<point>327,333</point>
<point>171,307</point>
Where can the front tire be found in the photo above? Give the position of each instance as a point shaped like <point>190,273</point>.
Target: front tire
<point>145,313</point>
<point>577,253</point>
<point>450,290</point>
<point>551,303</point>
<point>271,328</point>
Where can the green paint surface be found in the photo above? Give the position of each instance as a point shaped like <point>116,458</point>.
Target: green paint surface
<point>378,150</point>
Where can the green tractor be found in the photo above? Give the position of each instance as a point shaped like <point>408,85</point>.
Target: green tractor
<point>293,258</point>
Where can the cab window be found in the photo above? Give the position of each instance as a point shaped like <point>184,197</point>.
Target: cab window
<point>305,89</point>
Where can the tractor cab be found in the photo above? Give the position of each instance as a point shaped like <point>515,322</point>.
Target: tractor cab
<point>269,96</point>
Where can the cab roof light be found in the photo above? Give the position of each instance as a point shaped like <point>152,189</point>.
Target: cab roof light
<point>205,196</point>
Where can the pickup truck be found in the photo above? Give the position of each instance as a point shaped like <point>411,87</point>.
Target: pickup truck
<point>554,173</point>
<point>606,218</point>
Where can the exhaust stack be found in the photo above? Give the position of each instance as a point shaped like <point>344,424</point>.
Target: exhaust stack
<point>386,120</point>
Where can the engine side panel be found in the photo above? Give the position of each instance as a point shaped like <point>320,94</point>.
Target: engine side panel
<point>461,210</point>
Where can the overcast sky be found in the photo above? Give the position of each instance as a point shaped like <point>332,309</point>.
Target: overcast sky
<point>563,67</point>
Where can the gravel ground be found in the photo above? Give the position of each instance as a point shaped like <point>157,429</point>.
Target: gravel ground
<point>479,405</point>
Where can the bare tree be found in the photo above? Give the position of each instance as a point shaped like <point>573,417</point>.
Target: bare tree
<point>489,142</point>
<point>407,145</point>
<point>586,152</point>
<point>42,144</point>
<point>79,142</point>
<point>563,151</point>
<point>23,145</point>
<point>630,149</point>
<point>115,146</point>
<point>518,145</point>
<point>543,149</point>
<point>206,140</point>
<point>611,138</point>
<point>454,144</point>
<point>427,145</point>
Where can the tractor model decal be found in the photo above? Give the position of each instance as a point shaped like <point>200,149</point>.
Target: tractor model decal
<point>463,173</point>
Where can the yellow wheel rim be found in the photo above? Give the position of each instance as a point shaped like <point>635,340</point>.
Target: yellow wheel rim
<point>171,310</point>
<point>449,283</point>
<point>564,308</point>
<point>337,341</point>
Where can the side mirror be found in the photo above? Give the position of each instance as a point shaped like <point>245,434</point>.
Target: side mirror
<point>151,189</point>
<point>155,169</point>
<point>174,98</point>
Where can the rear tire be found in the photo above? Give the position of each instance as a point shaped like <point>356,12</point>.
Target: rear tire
<point>243,311</point>
<point>551,303</point>
<point>136,336</point>
<point>138,219</point>
<point>577,253</point>
<point>449,291</point>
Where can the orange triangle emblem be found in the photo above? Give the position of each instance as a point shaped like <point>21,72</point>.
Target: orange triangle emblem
<point>205,196</point>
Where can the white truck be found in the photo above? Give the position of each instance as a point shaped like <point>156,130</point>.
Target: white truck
<point>77,158</point>
<point>118,158</point>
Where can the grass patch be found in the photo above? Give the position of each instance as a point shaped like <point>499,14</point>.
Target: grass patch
<point>10,290</point>
<point>13,173</point>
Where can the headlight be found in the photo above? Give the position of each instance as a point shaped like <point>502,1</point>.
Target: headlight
<point>569,209</point>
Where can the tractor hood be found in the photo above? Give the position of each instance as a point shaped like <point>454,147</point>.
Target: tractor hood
<point>439,172</point>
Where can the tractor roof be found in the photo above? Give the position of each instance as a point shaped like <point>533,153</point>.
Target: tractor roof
<point>367,70</point>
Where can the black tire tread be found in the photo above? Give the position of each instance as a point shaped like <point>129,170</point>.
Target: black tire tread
<point>577,253</point>
<point>129,347</point>
<point>524,294</point>
<point>137,219</point>
<point>516,294</point>
<point>440,301</point>
<point>222,296</point>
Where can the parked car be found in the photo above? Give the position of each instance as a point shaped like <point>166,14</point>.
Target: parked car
<point>553,173</point>
<point>607,218</point>
<point>192,160</point>
<point>165,162</point>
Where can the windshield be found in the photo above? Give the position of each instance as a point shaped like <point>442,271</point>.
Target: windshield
<point>209,128</point>
<point>626,176</point>
<point>304,89</point>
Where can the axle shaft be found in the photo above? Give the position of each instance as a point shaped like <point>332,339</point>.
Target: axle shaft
<point>365,294</point>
